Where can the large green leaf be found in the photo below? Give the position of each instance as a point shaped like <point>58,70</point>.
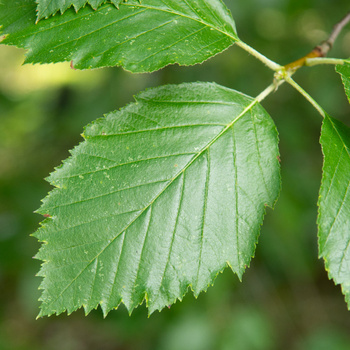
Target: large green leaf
<point>46,8</point>
<point>141,37</point>
<point>344,71</point>
<point>334,203</point>
<point>161,196</point>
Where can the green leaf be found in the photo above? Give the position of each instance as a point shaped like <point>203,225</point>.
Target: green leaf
<point>141,37</point>
<point>334,203</point>
<point>344,71</point>
<point>46,8</point>
<point>161,196</point>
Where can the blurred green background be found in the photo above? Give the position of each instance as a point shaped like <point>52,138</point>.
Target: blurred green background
<point>286,300</point>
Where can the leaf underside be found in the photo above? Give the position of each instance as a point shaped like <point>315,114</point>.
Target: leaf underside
<point>160,197</point>
<point>141,37</point>
<point>344,71</point>
<point>47,8</point>
<point>334,203</point>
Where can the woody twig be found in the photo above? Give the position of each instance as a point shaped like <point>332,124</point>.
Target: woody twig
<point>320,50</point>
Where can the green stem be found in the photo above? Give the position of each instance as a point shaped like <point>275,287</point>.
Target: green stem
<point>319,60</point>
<point>296,86</point>
<point>271,64</point>
<point>271,88</point>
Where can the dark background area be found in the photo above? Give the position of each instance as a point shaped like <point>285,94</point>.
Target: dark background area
<point>285,300</point>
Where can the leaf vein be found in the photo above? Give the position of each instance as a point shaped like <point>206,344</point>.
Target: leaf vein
<point>171,45</point>
<point>341,139</point>
<point>122,164</point>
<point>235,168</point>
<point>77,246</point>
<point>343,257</point>
<point>93,281</point>
<point>206,191</point>
<point>206,46</point>
<point>339,210</point>
<point>142,250</point>
<point>334,173</point>
<point>205,149</point>
<point>174,230</point>
<point>185,16</point>
<point>116,271</point>
<point>259,157</point>
<point>156,129</point>
<point>107,194</point>
<point>98,219</point>
<point>135,36</point>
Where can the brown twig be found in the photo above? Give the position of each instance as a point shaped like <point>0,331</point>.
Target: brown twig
<point>322,49</point>
<point>337,29</point>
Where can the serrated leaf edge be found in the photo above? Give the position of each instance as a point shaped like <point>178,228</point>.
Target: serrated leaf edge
<point>320,255</point>
<point>87,309</point>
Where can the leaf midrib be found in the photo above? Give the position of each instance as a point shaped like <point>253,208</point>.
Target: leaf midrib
<point>181,15</point>
<point>205,148</point>
<point>141,7</point>
<point>342,203</point>
<point>47,6</point>
<point>341,139</point>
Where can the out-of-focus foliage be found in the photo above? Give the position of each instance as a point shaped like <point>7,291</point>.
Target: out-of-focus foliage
<point>285,300</point>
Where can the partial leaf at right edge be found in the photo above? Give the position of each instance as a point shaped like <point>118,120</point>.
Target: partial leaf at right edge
<point>344,71</point>
<point>334,203</point>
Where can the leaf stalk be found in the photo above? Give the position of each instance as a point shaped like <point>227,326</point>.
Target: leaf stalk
<point>297,87</point>
<point>271,88</point>
<point>269,63</point>
<point>319,60</point>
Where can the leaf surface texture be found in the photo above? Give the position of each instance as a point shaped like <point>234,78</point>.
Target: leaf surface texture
<point>344,71</point>
<point>141,37</point>
<point>159,197</point>
<point>334,203</point>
